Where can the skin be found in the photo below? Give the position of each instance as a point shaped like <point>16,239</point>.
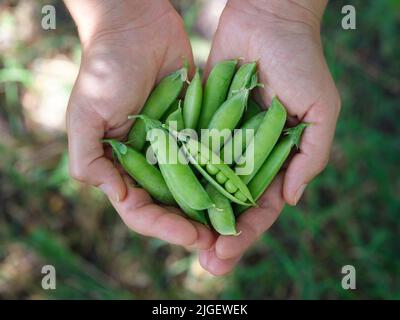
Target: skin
<point>282,35</point>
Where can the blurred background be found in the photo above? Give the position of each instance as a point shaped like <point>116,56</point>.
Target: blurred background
<point>349,214</point>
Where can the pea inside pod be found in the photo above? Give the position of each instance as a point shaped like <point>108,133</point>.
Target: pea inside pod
<point>232,187</point>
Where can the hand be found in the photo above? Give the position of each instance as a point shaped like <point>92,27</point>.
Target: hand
<point>283,36</point>
<point>127,47</point>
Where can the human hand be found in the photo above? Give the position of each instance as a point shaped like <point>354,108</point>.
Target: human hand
<point>284,37</point>
<point>128,46</point>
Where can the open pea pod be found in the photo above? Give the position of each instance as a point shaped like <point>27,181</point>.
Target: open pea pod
<point>212,169</point>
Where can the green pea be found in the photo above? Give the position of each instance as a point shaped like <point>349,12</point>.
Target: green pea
<point>216,90</point>
<point>160,99</point>
<point>230,187</point>
<point>211,169</point>
<point>242,78</point>
<point>146,175</point>
<point>221,216</point>
<point>239,195</point>
<point>265,138</point>
<point>274,163</point>
<point>221,178</point>
<point>193,100</point>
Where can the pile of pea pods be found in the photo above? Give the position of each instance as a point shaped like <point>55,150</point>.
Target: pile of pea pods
<point>206,187</point>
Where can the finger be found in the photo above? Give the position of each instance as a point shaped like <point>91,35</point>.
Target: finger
<point>215,265</point>
<point>253,223</point>
<point>87,161</point>
<point>141,215</point>
<point>314,150</point>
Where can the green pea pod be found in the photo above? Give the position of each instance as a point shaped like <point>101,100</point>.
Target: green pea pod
<point>176,118</point>
<point>174,106</point>
<point>216,90</point>
<point>146,175</point>
<point>192,103</point>
<point>161,98</point>
<point>274,163</point>
<point>235,147</point>
<point>226,118</point>
<point>252,109</point>
<point>231,187</point>
<point>221,216</point>
<point>178,175</point>
<point>242,78</point>
<point>264,140</point>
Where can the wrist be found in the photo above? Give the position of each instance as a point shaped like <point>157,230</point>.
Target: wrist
<point>94,17</point>
<point>306,12</point>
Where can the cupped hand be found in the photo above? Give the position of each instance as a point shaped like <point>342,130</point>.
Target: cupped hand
<point>284,37</point>
<point>127,47</point>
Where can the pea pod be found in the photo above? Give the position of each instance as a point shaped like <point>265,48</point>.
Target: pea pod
<point>274,163</point>
<point>252,109</point>
<point>221,216</point>
<point>178,176</point>
<point>226,118</point>
<point>264,140</point>
<point>146,175</point>
<point>176,118</point>
<point>161,98</point>
<point>193,100</point>
<point>216,90</point>
<point>242,78</point>
<point>172,108</point>
<point>210,166</point>
<point>235,147</point>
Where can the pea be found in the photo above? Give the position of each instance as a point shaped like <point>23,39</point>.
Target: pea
<point>240,195</point>
<point>211,169</point>
<point>230,187</point>
<point>221,178</point>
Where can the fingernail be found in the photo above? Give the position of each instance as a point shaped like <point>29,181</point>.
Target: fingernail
<point>108,190</point>
<point>299,193</point>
